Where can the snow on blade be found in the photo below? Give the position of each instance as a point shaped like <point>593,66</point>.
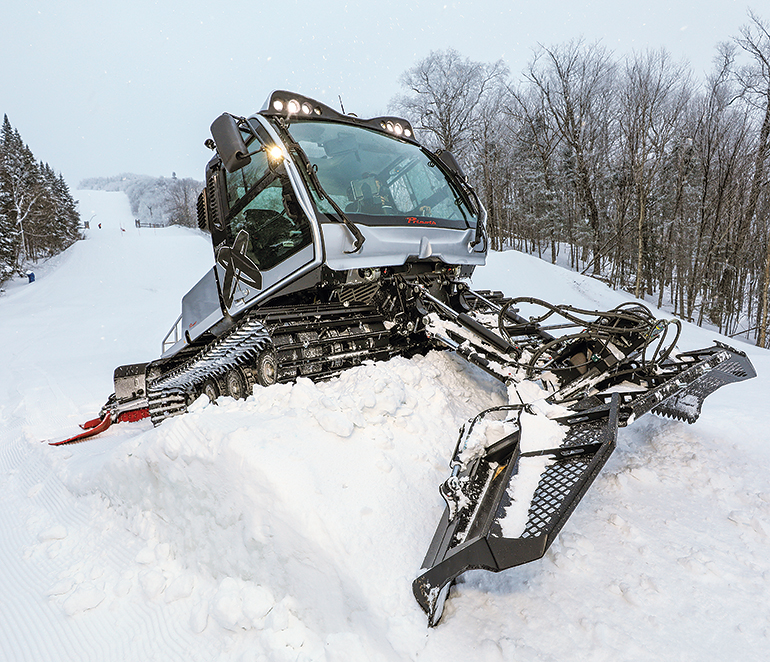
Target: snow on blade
<point>537,433</point>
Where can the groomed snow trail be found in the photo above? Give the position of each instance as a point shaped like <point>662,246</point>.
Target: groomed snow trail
<point>289,526</point>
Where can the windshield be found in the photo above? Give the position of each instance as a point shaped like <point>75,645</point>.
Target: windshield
<point>384,180</point>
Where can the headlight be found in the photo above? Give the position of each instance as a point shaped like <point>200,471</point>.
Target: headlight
<point>274,153</point>
<point>396,128</point>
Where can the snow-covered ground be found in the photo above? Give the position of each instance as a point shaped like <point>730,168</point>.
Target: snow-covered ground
<point>290,526</point>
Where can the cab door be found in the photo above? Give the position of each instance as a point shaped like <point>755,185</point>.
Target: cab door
<point>267,237</point>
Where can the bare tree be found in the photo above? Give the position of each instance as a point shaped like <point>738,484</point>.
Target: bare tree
<point>534,144</point>
<point>182,195</point>
<point>446,92</point>
<point>650,181</point>
<point>755,83</point>
<point>719,131</point>
<point>653,97</point>
<point>576,81</point>
<point>491,165</point>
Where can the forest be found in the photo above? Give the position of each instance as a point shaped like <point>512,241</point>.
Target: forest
<point>627,168</point>
<point>38,216</point>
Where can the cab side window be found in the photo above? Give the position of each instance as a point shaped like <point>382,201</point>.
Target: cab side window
<point>263,204</point>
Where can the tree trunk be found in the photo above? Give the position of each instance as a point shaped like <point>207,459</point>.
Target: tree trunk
<point>756,184</point>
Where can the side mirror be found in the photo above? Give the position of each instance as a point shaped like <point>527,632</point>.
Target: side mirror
<point>449,160</point>
<point>229,143</point>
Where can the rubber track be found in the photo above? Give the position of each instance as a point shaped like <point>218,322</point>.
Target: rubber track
<point>315,341</point>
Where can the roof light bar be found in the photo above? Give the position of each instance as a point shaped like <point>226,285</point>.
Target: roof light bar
<point>291,105</point>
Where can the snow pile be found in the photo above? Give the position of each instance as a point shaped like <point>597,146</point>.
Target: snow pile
<point>249,511</point>
<point>290,526</point>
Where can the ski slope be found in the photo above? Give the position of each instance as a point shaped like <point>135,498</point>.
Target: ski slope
<point>290,526</point>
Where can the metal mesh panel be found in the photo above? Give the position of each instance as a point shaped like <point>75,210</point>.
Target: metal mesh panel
<point>559,479</point>
<point>555,485</point>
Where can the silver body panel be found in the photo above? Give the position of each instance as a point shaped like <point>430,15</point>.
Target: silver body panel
<point>388,246</point>
<point>200,306</point>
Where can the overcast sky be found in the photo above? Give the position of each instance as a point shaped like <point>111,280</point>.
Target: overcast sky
<point>102,88</point>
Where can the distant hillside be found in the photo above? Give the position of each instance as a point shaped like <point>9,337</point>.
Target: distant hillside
<point>154,200</point>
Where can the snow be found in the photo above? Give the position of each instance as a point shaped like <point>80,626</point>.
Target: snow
<point>290,526</point>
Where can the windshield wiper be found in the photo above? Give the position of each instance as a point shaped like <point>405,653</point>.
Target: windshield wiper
<point>466,194</point>
<point>310,170</point>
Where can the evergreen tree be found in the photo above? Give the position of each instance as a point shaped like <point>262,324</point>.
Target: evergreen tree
<point>8,233</point>
<point>21,182</point>
<point>38,217</point>
<point>69,217</point>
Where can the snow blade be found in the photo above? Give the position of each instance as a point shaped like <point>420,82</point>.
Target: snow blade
<point>470,536</point>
